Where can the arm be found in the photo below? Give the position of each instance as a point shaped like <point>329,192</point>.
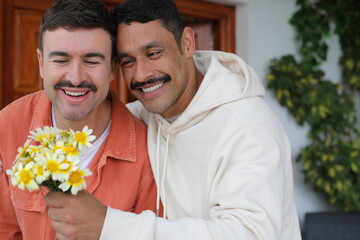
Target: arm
<point>75,217</point>
<point>9,227</point>
<point>249,197</point>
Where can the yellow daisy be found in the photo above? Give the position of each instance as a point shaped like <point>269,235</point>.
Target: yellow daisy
<point>76,181</point>
<point>24,177</point>
<point>57,147</point>
<point>55,166</point>
<point>41,172</point>
<point>33,150</point>
<point>11,172</point>
<point>83,139</point>
<point>44,135</point>
<point>72,154</point>
<point>69,167</point>
<point>23,151</point>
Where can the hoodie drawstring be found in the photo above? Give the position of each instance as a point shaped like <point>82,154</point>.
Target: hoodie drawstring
<point>157,169</point>
<point>161,182</point>
<point>164,174</point>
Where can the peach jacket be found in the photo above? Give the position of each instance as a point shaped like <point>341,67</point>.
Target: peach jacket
<point>122,176</point>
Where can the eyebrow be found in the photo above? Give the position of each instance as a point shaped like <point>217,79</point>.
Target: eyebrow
<point>122,55</point>
<point>87,55</point>
<point>95,54</point>
<point>148,46</point>
<point>58,53</point>
<point>152,45</point>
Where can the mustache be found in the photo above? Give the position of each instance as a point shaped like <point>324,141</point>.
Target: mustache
<point>83,84</point>
<point>165,78</point>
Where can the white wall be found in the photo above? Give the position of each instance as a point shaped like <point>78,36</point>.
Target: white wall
<point>263,33</point>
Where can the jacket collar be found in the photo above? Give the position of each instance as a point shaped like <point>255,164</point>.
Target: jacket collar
<point>121,142</point>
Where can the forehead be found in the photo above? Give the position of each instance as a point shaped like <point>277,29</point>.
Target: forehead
<point>138,35</point>
<point>78,40</point>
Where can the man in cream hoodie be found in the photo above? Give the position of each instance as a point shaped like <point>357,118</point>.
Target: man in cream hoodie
<point>220,157</point>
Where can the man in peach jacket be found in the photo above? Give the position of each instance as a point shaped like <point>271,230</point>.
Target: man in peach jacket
<point>76,60</point>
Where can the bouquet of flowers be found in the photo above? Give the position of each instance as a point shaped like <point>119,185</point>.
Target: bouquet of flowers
<point>54,162</point>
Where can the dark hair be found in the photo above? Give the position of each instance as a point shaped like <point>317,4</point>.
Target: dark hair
<point>74,14</point>
<point>144,11</point>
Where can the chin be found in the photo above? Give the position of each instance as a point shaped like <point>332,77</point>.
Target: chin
<point>154,108</point>
<point>74,116</point>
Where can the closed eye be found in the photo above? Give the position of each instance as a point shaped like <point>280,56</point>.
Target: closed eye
<point>60,61</point>
<point>93,63</point>
<point>153,54</point>
<point>126,62</point>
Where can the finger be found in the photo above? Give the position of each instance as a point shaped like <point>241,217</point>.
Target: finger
<point>57,225</point>
<point>63,230</point>
<point>56,214</point>
<point>56,199</point>
<point>1,167</point>
<point>59,236</point>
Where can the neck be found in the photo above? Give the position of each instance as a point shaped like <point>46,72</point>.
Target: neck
<point>183,102</point>
<point>199,78</point>
<point>97,120</point>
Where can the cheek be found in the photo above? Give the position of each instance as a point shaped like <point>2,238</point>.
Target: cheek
<point>52,73</point>
<point>49,79</point>
<point>98,76</point>
<point>127,75</point>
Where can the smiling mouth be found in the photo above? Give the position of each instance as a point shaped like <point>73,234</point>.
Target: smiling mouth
<point>150,85</point>
<point>153,88</point>
<point>76,94</point>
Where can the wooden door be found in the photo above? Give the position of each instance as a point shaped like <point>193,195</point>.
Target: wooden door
<point>214,25</point>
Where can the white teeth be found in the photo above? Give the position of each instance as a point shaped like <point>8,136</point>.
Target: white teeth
<point>150,89</point>
<point>75,94</point>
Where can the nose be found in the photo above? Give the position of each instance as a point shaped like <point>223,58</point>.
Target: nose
<point>76,73</point>
<point>143,71</point>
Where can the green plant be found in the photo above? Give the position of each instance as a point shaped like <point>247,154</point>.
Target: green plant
<point>331,162</point>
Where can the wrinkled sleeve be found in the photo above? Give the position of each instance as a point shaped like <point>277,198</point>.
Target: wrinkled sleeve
<point>9,228</point>
<point>248,198</point>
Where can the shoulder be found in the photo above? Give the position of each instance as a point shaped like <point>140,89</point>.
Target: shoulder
<point>126,116</point>
<point>250,110</point>
<point>15,121</point>
<point>139,111</point>
<point>127,130</point>
<point>22,110</point>
<point>23,105</point>
<point>251,115</point>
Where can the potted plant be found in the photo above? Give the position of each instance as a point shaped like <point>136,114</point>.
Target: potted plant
<point>331,162</point>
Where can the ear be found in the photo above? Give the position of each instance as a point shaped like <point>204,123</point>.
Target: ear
<point>188,42</point>
<point>41,62</point>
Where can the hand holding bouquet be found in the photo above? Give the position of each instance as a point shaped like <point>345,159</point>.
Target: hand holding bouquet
<point>54,162</point>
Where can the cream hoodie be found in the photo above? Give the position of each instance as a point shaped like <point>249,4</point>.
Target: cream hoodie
<point>223,168</point>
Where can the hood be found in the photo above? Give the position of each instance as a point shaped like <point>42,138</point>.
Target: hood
<point>227,78</point>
